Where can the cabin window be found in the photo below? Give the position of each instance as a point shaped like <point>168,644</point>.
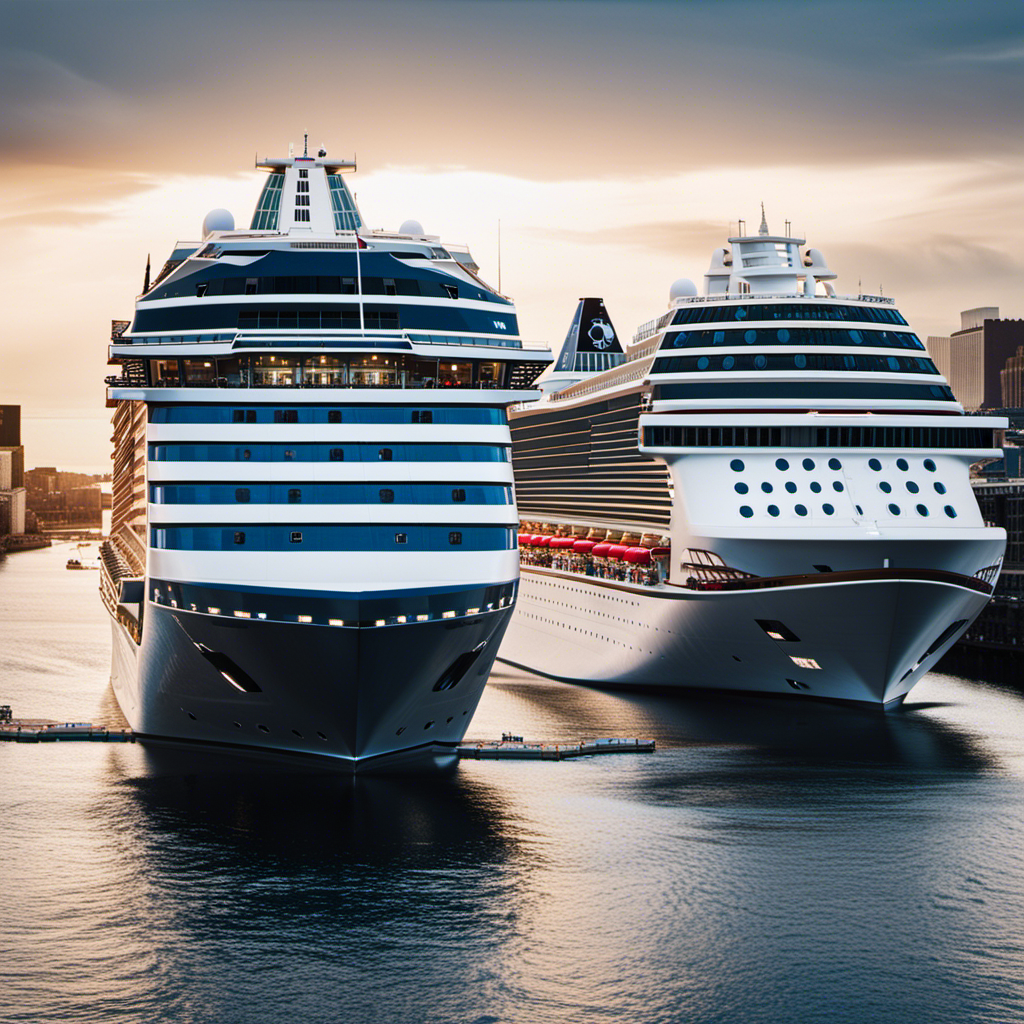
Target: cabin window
<point>459,494</point>
<point>289,453</point>
<point>239,536</point>
<point>252,285</point>
<point>455,537</point>
<point>401,538</point>
<point>296,537</point>
<point>302,200</point>
<point>242,494</point>
<point>452,290</point>
<point>423,415</point>
<point>333,415</point>
<point>337,455</point>
<point>303,172</point>
<point>389,286</point>
<point>387,496</point>
<point>294,496</point>
<point>303,186</point>
<point>385,455</point>
<point>286,415</point>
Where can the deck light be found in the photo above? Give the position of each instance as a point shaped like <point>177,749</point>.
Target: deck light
<point>422,618</point>
<point>804,662</point>
<point>305,618</point>
<point>335,622</point>
<point>243,615</point>
<point>213,611</point>
<point>379,622</point>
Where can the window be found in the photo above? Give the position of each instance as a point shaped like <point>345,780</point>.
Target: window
<point>238,416</point>
<point>289,453</point>
<point>455,537</point>
<point>296,537</point>
<point>385,455</point>
<point>333,415</point>
<point>201,289</point>
<point>239,536</point>
<point>286,415</point>
<point>423,415</point>
<point>459,494</point>
<point>303,186</point>
<point>294,496</point>
<point>337,455</point>
<point>389,286</point>
<point>746,511</point>
<point>303,172</point>
<point>401,538</point>
<point>302,200</point>
<point>252,285</point>
<point>452,290</point>
<point>302,215</point>
<point>242,494</point>
<point>387,496</point>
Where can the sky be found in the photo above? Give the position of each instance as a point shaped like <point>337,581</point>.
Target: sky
<point>617,143</point>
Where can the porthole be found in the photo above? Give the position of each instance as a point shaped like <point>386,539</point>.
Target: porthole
<point>940,488</point>
<point>912,487</point>
<point>791,487</point>
<point>782,334</point>
<point>703,363</point>
<point>950,511</point>
<point>800,510</point>
<point>398,732</point>
<point>295,732</point>
<point>263,728</point>
<point>837,486</point>
<point>856,337</point>
<point>728,362</point>
<point>740,313</point>
<point>894,508</point>
<point>808,464</point>
<point>428,725</point>
<point>929,465</point>
<point>746,511</point>
<point>741,488</point>
<point>902,464</point>
<point>834,464</point>
<point>800,361</point>
<point>750,337</point>
<point>828,509</point>
<point>321,736</point>
<point>773,510</point>
<point>860,511</point>
<point>760,362</point>
<point>885,487</point>
<point>875,465</point>
<point>781,464</point>
<point>815,487</point>
<point>736,465</point>
<point>893,363</point>
<point>766,487</point>
<point>922,510</point>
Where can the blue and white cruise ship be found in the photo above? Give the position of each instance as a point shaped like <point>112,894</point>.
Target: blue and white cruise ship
<point>768,491</point>
<point>313,543</point>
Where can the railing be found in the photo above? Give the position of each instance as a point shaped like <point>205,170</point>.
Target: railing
<point>749,297</point>
<point>222,382</point>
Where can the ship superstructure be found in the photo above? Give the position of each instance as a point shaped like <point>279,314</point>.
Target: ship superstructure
<point>313,546</point>
<point>770,492</point>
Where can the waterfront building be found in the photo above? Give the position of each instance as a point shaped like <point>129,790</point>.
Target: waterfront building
<point>768,491</point>
<point>973,358</point>
<point>12,472</point>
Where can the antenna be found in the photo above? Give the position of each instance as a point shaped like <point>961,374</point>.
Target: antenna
<point>789,229</point>
<point>305,143</point>
<point>741,226</point>
<point>499,255</point>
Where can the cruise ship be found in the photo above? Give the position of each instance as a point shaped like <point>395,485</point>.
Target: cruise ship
<point>313,539</point>
<point>767,491</point>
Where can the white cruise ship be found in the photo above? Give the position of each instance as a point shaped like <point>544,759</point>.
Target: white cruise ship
<point>768,491</point>
<point>313,544</point>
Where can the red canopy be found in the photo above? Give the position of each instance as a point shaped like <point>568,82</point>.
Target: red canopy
<point>583,546</point>
<point>660,552</point>
<point>544,541</point>
<point>525,539</point>
<point>617,550</point>
<point>638,556</point>
<point>601,550</point>
<point>561,542</point>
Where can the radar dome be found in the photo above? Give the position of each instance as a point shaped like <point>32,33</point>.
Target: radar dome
<point>411,227</point>
<point>682,289</point>
<point>217,220</point>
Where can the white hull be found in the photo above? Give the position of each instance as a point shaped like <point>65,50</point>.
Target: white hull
<point>870,636</point>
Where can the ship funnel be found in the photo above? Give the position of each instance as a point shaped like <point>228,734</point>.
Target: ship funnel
<point>591,331</point>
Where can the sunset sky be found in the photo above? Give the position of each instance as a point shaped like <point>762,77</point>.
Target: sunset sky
<point>616,142</point>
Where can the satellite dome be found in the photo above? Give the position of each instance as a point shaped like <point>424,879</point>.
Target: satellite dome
<point>217,220</point>
<point>682,289</point>
<point>411,227</point>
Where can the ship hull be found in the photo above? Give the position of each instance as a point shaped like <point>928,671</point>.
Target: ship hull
<point>354,696</point>
<point>872,638</point>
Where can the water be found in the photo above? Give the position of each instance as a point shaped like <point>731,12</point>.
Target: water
<point>773,861</point>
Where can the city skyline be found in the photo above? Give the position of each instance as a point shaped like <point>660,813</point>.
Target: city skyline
<point>615,142</point>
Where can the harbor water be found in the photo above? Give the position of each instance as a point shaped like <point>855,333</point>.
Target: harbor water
<point>773,861</point>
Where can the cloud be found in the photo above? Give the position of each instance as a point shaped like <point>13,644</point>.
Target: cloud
<point>673,237</point>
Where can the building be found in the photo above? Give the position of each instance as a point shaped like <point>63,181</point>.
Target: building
<point>12,472</point>
<point>973,358</point>
<point>1011,380</point>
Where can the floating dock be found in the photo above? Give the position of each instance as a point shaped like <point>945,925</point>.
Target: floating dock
<point>519,750</point>
<point>39,730</point>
